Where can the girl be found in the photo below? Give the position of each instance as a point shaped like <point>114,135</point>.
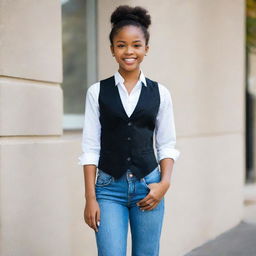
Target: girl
<point>121,115</point>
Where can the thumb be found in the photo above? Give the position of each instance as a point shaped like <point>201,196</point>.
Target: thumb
<point>98,218</point>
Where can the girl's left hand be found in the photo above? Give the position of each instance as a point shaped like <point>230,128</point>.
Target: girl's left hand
<point>157,192</point>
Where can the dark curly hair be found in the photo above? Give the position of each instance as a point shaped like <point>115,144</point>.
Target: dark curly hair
<point>125,15</point>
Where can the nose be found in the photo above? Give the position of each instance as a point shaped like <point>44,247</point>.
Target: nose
<point>129,50</point>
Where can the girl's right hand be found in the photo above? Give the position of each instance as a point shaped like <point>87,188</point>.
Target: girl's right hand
<point>92,214</point>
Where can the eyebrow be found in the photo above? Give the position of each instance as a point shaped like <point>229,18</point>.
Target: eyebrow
<point>125,41</point>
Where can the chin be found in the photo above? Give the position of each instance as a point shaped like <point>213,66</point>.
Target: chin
<point>129,69</point>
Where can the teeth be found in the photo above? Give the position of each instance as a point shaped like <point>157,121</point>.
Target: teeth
<point>129,60</point>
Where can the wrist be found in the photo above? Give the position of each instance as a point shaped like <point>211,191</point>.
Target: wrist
<point>166,183</point>
<point>90,197</point>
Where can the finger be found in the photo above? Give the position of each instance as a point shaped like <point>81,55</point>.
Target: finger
<point>142,201</point>
<point>149,202</point>
<point>149,207</point>
<point>87,220</point>
<point>95,227</point>
<point>93,222</point>
<point>97,219</point>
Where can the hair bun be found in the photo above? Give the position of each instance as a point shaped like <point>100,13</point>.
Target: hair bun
<point>125,12</point>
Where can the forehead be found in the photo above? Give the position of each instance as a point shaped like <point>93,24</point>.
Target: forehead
<point>129,33</point>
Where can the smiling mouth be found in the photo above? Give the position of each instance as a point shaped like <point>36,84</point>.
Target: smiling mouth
<point>129,60</point>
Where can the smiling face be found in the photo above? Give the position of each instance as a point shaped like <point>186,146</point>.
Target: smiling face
<point>129,48</point>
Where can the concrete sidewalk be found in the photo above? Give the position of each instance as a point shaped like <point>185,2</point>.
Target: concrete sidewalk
<point>240,240</point>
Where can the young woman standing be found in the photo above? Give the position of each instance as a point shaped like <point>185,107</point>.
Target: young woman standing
<point>122,114</point>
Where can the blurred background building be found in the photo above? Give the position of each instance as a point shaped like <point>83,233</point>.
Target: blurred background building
<point>250,90</point>
<point>52,51</point>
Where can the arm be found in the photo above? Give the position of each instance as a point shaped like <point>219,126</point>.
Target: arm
<point>91,140</point>
<point>89,181</point>
<point>92,209</point>
<point>165,134</point>
<point>89,158</point>
<point>166,166</point>
<point>165,138</point>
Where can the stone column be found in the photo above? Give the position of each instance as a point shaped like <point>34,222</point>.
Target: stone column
<point>33,192</point>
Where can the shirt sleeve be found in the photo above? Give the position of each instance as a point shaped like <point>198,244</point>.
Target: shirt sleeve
<point>91,128</point>
<point>165,134</point>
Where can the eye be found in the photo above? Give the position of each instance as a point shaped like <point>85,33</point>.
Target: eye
<point>137,45</point>
<point>120,45</point>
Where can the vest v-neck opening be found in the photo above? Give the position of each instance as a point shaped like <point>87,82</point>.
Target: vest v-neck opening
<point>136,85</point>
<point>136,107</point>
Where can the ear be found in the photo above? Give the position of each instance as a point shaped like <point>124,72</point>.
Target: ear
<point>112,49</point>
<point>146,48</point>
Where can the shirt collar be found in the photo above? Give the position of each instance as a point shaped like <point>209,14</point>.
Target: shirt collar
<point>120,79</point>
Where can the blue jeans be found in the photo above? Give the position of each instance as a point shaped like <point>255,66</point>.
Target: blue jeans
<point>117,200</point>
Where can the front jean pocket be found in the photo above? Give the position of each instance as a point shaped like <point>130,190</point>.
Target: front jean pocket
<point>103,179</point>
<point>152,177</point>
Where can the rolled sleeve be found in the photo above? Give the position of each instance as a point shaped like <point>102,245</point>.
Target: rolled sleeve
<point>91,129</point>
<point>165,133</point>
<point>88,158</point>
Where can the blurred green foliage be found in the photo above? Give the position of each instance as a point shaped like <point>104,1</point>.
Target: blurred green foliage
<point>251,25</point>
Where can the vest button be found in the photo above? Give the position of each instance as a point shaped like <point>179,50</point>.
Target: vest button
<point>130,123</point>
<point>128,138</point>
<point>128,158</point>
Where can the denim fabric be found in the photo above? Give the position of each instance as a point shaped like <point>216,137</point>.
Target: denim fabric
<point>117,199</point>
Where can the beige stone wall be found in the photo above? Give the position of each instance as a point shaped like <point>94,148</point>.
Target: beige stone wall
<point>196,50</point>
<point>30,68</point>
<point>34,195</point>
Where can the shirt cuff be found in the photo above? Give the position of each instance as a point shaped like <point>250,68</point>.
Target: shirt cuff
<point>168,153</point>
<point>88,158</point>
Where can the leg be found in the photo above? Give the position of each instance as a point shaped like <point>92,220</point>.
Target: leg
<point>111,237</point>
<point>146,230</point>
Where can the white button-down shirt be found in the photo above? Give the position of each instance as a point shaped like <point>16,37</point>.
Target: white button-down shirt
<point>165,135</point>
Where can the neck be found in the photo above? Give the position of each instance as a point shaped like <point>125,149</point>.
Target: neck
<point>130,75</point>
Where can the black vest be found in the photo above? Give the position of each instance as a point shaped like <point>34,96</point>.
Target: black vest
<point>127,142</point>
